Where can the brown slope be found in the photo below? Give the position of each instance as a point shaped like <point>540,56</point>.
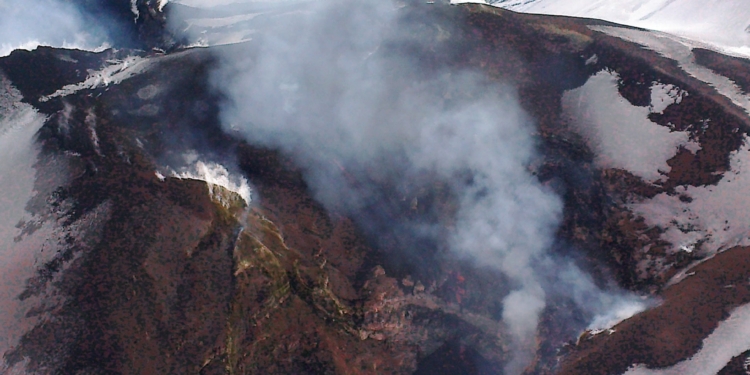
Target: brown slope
<point>674,330</point>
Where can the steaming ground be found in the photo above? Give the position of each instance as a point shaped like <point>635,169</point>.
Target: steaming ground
<point>340,88</point>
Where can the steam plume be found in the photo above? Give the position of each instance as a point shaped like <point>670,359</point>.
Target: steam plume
<point>27,24</point>
<point>330,88</point>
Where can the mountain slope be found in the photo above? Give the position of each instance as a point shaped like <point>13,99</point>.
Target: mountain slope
<point>724,25</point>
<point>130,243</point>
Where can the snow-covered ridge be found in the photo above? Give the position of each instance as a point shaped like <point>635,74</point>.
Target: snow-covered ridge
<point>221,22</point>
<point>680,50</point>
<point>723,24</point>
<point>729,339</point>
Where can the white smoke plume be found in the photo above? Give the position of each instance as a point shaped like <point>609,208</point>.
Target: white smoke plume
<point>57,23</point>
<point>216,175</point>
<point>327,87</point>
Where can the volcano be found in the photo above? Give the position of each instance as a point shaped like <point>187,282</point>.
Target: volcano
<point>350,188</point>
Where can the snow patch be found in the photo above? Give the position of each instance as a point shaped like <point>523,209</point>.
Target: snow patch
<point>213,25</point>
<point>680,50</point>
<point>592,60</point>
<point>717,216</point>
<point>115,72</point>
<point>662,96</point>
<point>722,24</point>
<point>729,339</point>
<point>621,134</point>
<point>19,124</point>
<point>134,9</point>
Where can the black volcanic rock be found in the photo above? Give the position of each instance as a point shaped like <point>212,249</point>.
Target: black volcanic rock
<point>54,68</point>
<point>738,365</point>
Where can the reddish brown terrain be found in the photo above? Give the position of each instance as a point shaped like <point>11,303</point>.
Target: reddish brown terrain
<point>674,330</point>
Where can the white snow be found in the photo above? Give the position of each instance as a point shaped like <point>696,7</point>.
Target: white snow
<point>680,50</point>
<point>134,9</point>
<point>115,72</point>
<point>662,96</point>
<point>621,134</point>
<point>729,339</point>
<point>722,24</point>
<point>19,123</point>
<point>718,215</point>
<point>679,25</point>
<point>592,60</point>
